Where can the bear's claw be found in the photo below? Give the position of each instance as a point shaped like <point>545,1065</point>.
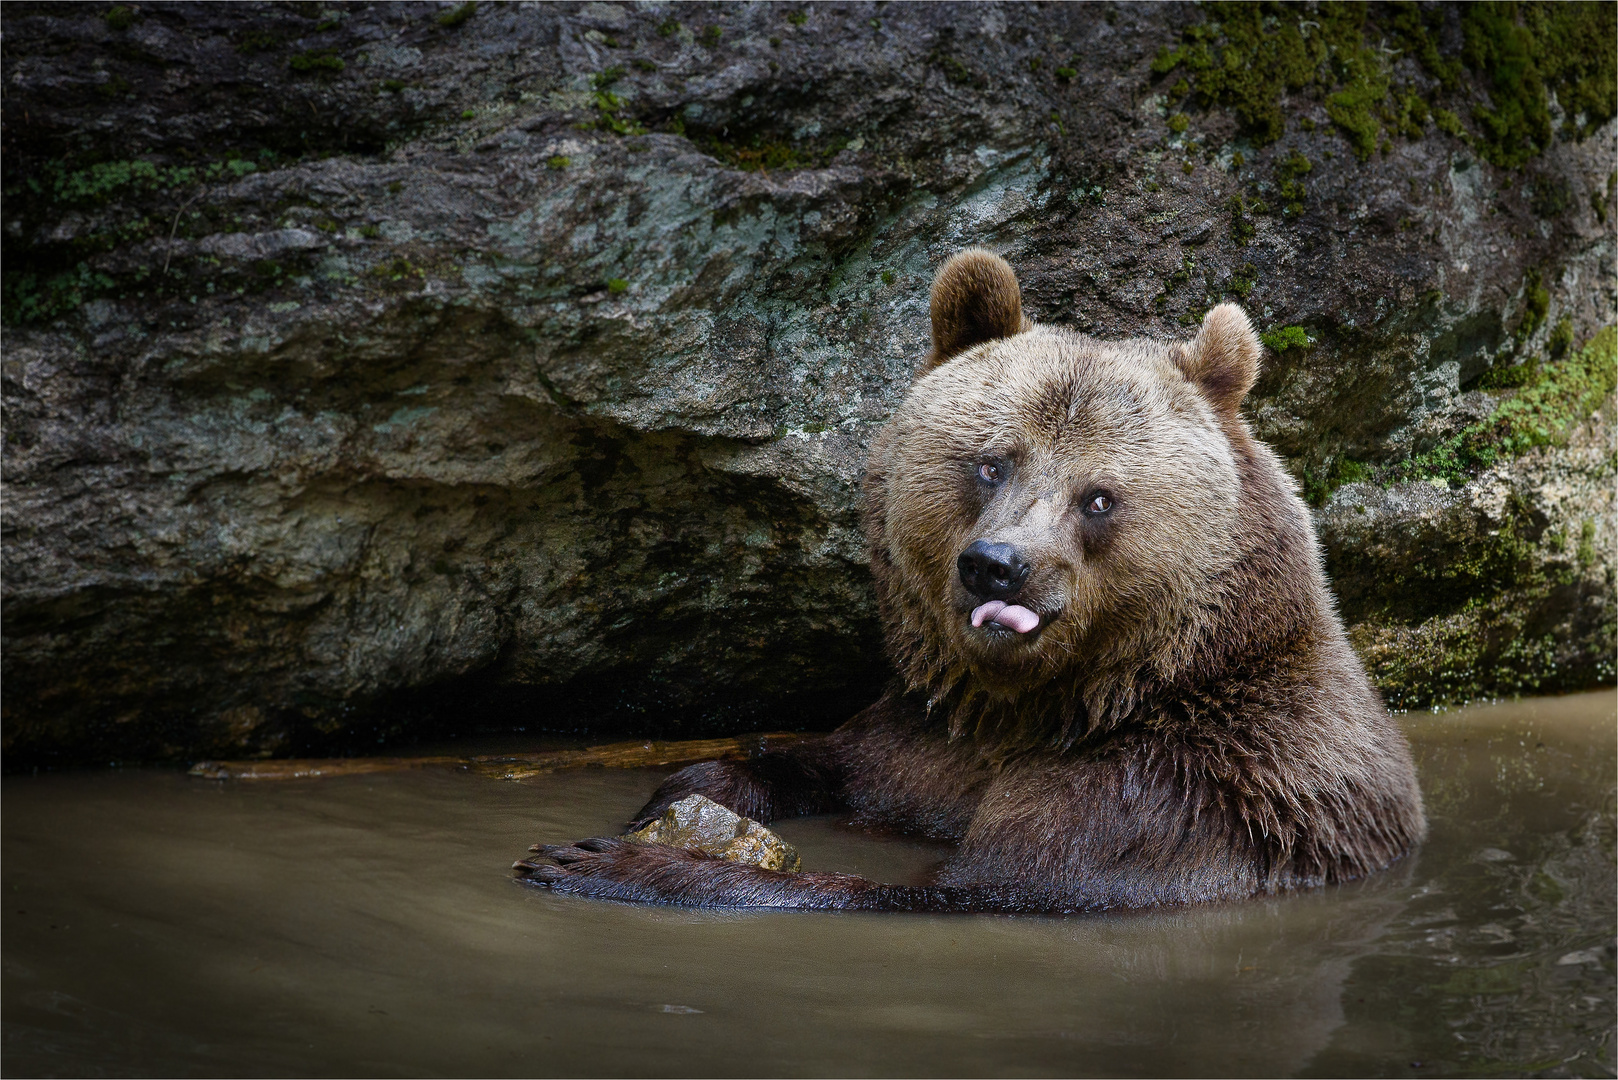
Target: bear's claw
<point>538,873</point>
<point>567,859</point>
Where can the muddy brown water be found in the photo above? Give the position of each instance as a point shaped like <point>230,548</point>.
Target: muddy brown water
<point>159,925</point>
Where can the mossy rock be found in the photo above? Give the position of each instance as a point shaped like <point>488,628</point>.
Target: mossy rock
<point>700,824</point>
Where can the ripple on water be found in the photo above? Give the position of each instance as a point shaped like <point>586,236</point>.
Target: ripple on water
<point>157,924</point>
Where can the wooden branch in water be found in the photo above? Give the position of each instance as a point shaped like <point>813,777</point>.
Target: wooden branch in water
<point>624,755</point>
<point>314,768</point>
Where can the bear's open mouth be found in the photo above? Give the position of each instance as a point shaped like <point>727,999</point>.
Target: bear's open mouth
<point>1011,616</point>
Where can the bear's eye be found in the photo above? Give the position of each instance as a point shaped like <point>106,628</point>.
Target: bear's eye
<point>989,471</point>
<point>1100,502</point>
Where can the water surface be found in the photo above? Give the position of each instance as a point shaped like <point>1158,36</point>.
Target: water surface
<point>156,924</point>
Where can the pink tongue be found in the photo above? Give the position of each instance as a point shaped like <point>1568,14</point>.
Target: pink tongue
<point>1018,618</point>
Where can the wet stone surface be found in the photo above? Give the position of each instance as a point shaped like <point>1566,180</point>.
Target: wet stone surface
<point>699,823</point>
<point>366,371</point>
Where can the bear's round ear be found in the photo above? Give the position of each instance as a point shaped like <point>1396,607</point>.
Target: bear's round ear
<point>1223,360</point>
<point>975,299</point>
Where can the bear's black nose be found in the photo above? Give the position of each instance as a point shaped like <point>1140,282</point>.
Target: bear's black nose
<point>992,571</point>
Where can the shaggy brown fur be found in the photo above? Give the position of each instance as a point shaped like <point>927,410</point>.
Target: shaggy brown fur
<point>1186,722</point>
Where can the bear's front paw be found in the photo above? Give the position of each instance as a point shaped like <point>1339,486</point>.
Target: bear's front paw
<point>612,869</point>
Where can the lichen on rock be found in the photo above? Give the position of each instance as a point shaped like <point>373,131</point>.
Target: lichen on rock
<point>519,373</point>
<point>699,823</point>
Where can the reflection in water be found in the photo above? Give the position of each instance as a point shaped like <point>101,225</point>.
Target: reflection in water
<point>157,924</point>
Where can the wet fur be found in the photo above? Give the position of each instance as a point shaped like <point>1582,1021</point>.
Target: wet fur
<point>1188,724</point>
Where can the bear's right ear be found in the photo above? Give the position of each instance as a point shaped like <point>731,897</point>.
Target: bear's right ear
<point>975,299</point>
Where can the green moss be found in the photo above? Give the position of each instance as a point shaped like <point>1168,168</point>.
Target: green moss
<point>1318,484</point>
<point>1173,281</point>
<point>1449,123</point>
<point>1289,173</point>
<point>1587,543</point>
<point>1238,61</point>
<point>457,15</point>
<point>391,86</point>
<point>317,60</point>
<point>759,154</point>
<point>609,104</point>
<point>1526,52</point>
<point>1561,339</point>
<point>1412,116</point>
<point>1577,61</point>
<point>1178,123</point>
<point>1356,109</point>
<point>889,277</point>
<point>1553,400</point>
<point>603,79</point>
<point>642,64</point>
<point>107,180</point>
<point>559,161</point>
<point>1241,226</point>
<point>668,28</point>
<point>119,18</point>
<point>1245,56</point>
<point>955,70</point>
<point>1517,125</point>
<point>397,270</point>
<point>37,292</point>
<point>1284,338</point>
<point>1536,304</point>
<point>101,180</point>
<point>710,35</point>
<point>1510,376</point>
<point>617,285</point>
<point>1465,616</point>
<point>1600,200</point>
<point>1243,280</point>
<point>256,41</point>
<point>29,298</point>
<point>797,18</point>
<point>1550,196</point>
<point>1067,74</point>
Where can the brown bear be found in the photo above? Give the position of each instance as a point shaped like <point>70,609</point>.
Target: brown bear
<point>1121,680</point>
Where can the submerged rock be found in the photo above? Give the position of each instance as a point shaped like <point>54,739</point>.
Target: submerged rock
<point>699,823</point>
<point>369,374</point>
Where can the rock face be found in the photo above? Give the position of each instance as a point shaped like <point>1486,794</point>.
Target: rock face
<point>378,369</point>
<point>699,823</point>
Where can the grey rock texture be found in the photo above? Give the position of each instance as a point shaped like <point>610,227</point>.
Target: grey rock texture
<point>369,372</point>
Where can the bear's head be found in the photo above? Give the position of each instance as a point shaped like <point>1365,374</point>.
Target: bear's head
<point>1044,506</point>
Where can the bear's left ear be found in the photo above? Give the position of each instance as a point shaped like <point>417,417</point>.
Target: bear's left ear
<point>1223,360</point>
<point>975,299</point>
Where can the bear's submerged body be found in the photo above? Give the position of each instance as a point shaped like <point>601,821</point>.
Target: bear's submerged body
<point>1122,680</point>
